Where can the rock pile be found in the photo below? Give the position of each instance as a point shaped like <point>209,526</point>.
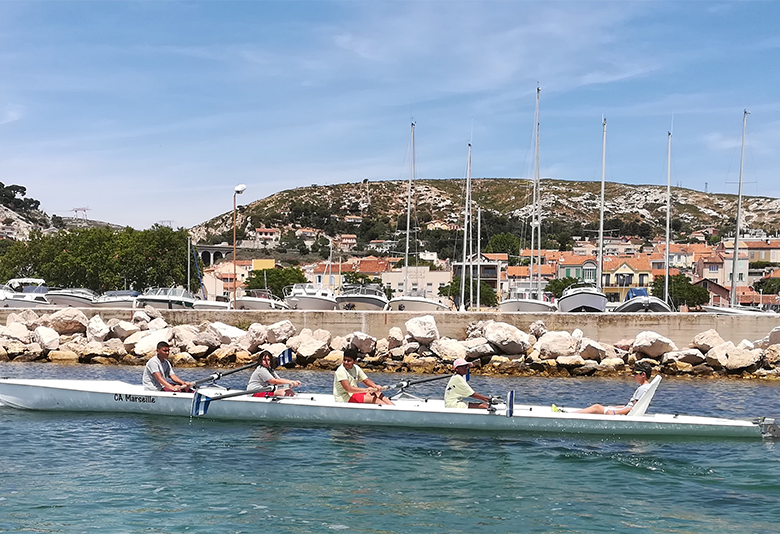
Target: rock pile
<point>68,336</point>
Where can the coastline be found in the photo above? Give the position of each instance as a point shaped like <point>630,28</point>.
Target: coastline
<point>516,344</point>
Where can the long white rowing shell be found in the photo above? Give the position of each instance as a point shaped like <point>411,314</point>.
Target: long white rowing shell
<point>321,409</point>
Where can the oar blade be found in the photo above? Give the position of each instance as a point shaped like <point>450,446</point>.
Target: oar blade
<point>200,404</point>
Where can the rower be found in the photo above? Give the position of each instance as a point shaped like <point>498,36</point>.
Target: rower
<point>346,379</point>
<point>458,388</point>
<point>158,372</point>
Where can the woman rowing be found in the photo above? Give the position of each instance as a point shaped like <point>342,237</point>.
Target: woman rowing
<point>265,376</point>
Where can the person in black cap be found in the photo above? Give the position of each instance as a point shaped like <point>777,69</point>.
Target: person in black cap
<point>158,373</point>
<point>642,373</point>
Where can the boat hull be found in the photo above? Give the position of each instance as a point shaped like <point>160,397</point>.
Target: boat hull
<point>526,305</point>
<point>310,302</point>
<point>416,304</point>
<point>643,304</point>
<point>321,409</point>
<point>163,303</point>
<point>582,300</point>
<point>260,303</point>
<point>360,302</point>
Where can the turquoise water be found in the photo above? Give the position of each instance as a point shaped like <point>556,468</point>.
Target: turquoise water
<point>71,473</point>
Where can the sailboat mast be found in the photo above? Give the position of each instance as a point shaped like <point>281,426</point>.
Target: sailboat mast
<point>601,210</point>
<point>537,206</point>
<point>733,295</point>
<point>479,255</point>
<point>466,209</point>
<point>409,214</point>
<point>668,214</point>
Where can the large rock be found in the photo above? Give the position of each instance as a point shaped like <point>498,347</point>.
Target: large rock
<point>312,349</point>
<point>554,344</point>
<point>706,341</point>
<point>717,357</point>
<point>507,338</point>
<point>207,338</point>
<point>692,356</point>
<point>47,338</point>
<point>772,356</point>
<point>743,359</point>
<point>477,348</point>
<point>255,336</point>
<point>123,329</point>
<point>592,350</point>
<point>63,357</point>
<point>156,324</point>
<point>148,344</point>
<point>395,337</point>
<point>27,317</point>
<point>18,332</point>
<point>423,329</point>
<point>280,331</point>
<point>184,334</point>
<point>448,349</point>
<point>652,344</point>
<point>97,330</point>
<point>227,333</point>
<point>362,342</point>
<point>69,321</point>
<point>324,335</point>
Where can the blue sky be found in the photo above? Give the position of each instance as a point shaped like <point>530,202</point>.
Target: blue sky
<point>149,111</point>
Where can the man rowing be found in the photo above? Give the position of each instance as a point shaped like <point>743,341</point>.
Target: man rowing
<point>458,388</point>
<point>346,379</point>
<point>158,372</point>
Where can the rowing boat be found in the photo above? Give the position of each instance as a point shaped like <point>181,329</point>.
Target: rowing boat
<point>321,409</point>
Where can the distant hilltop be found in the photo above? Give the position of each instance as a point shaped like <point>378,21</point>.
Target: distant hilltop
<point>565,205</point>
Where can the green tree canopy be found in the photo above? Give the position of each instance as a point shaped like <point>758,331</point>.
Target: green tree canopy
<point>275,279</point>
<point>681,291</point>
<point>487,296</point>
<point>557,286</point>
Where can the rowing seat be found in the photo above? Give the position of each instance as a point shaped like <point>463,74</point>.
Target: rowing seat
<point>641,405</point>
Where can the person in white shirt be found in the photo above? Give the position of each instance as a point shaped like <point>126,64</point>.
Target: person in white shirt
<point>642,373</point>
<point>458,388</point>
<point>345,383</point>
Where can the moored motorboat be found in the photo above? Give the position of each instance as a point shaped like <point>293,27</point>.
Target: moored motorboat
<point>362,297</point>
<point>219,303</point>
<point>412,302</point>
<point>71,297</point>
<point>116,299</point>
<point>166,298</point>
<point>260,299</point>
<point>582,297</point>
<point>308,296</point>
<point>521,300</point>
<point>321,409</point>
<point>737,310</point>
<point>638,300</point>
<point>24,293</point>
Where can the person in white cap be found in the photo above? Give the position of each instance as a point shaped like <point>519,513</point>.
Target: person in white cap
<point>458,388</point>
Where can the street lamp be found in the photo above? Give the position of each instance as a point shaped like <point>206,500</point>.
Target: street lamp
<point>237,191</point>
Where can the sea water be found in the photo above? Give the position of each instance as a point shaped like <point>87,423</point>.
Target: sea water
<point>90,473</point>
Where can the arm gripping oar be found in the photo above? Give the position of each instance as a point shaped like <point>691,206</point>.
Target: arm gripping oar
<point>200,402</point>
<point>218,375</point>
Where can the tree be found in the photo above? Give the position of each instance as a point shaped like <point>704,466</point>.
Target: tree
<point>503,243</point>
<point>275,279</point>
<point>557,286</point>
<point>767,286</point>
<point>681,291</point>
<point>487,296</point>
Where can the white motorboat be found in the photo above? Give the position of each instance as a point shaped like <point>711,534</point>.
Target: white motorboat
<point>738,310</point>
<point>166,298</point>
<point>219,303</point>
<point>320,409</point>
<point>638,300</point>
<point>582,297</point>
<point>72,297</point>
<point>24,293</point>
<point>309,296</point>
<point>417,303</point>
<point>520,300</point>
<point>362,297</point>
<point>116,299</point>
<point>260,299</point>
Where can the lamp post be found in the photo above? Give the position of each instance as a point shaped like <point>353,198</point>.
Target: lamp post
<point>237,191</point>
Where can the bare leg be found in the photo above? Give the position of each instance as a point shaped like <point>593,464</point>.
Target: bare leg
<point>593,409</point>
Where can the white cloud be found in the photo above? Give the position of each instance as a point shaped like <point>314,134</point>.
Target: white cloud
<point>11,113</point>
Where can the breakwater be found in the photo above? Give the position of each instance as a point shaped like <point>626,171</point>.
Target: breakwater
<point>606,327</point>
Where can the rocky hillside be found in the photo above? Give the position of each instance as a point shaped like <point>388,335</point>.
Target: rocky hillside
<point>443,200</point>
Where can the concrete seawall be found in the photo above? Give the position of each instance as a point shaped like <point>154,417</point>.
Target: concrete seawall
<point>607,327</point>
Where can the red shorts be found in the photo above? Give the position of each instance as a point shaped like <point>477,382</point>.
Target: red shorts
<point>263,395</point>
<point>357,398</point>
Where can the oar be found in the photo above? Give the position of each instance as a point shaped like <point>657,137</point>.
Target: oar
<point>200,402</point>
<point>218,375</point>
<point>409,382</point>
